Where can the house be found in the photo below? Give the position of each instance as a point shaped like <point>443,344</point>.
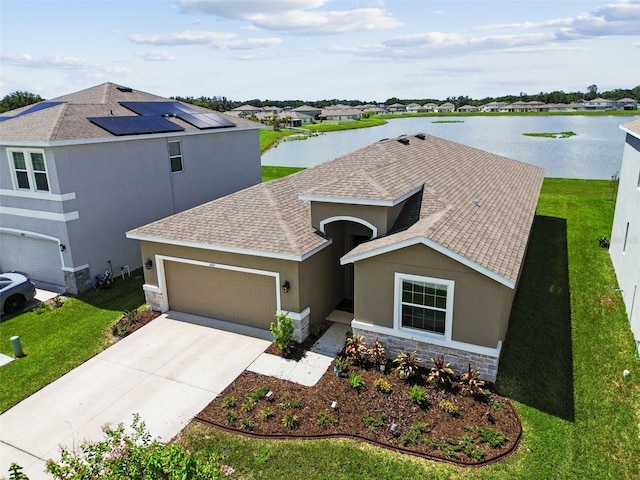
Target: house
<point>312,112</point>
<point>625,233</point>
<point>627,104</point>
<point>78,171</point>
<point>337,114</point>
<point>246,110</point>
<point>494,107</point>
<point>287,117</point>
<point>416,240</point>
<point>447,107</point>
<point>397,108</point>
<point>600,104</point>
<point>468,109</point>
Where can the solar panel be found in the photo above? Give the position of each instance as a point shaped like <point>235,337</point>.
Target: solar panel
<point>136,125</point>
<point>157,108</point>
<point>206,120</point>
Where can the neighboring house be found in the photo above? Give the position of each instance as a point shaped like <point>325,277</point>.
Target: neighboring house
<point>78,171</point>
<point>246,110</point>
<point>468,109</point>
<point>625,234</point>
<point>600,104</point>
<point>446,107</point>
<point>424,237</point>
<point>414,108</point>
<point>494,107</point>
<point>397,108</point>
<point>287,117</point>
<point>313,112</point>
<point>336,114</point>
<point>430,107</point>
<point>627,104</point>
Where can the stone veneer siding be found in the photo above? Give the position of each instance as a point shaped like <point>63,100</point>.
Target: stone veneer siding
<point>154,300</point>
<point>487,365</point>
<point>77,281</point>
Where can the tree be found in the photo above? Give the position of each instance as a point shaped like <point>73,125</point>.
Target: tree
<point>18,99</point>
<point>592,92</point>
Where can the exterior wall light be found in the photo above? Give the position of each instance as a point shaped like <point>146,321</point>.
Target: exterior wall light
<point>148,264</point>
<point>286,286</point>
<point>63,247</point>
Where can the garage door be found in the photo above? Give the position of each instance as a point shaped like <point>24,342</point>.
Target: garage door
<point>239,297</point>
<point>38,257</point>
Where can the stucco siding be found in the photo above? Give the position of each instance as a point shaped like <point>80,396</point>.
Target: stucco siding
<point>625,241</point>
<point>288,270</point>
<point>481,306</point>
<point>377,216</point>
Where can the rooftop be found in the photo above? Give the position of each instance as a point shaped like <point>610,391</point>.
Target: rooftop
<point>472,204</point>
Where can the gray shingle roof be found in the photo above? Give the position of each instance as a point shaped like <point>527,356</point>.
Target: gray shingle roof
<point>69,120</point>
<point>633,126</point>
<point>270,218</point>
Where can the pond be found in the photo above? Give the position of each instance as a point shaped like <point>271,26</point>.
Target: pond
<point>595,152</point>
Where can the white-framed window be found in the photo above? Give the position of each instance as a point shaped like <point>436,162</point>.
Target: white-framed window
<point>175,156</point>
<point>423,305</point>
<point>29,170</point>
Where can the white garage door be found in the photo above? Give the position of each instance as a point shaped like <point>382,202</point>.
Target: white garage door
<point>240,297</point>
<point>38,257</point>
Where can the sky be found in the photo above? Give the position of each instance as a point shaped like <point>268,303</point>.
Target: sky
<point>367,50</point>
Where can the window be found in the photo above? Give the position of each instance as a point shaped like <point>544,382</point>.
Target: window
<point>424,304</point>
<point>29,170</point>
<point>175,156</point>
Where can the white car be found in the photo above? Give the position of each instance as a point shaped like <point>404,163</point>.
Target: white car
<point>16,289</point>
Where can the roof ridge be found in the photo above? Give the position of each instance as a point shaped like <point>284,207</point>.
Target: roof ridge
<point>284,225</point>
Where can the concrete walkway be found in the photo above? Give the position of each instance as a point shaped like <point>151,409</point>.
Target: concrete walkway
<point>310,368</point>
<point>167,372</point>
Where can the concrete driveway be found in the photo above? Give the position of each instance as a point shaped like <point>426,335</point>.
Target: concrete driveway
<point>167,372</point>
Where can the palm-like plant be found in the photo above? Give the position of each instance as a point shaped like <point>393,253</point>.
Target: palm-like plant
<point>470,382</point>
<point>441,372</point>
<point>408,363</point>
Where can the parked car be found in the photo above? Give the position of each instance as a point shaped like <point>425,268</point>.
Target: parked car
<point>16,289</point>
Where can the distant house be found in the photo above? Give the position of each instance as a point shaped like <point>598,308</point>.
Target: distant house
<point>627,104</point>
<point>337,114</point>
<point>78,171</point>
<point>430,107</point>
<point>390,239</point>
<point>313,112</point>
<point>494,107</point>
<point>246,110</point>
<point>397,108</point>
<point>287,117</point>
<point>414,108</point>
<point>468,109</point>
<point>625,234</point>
<point>446,107</point>
<point>600,104</point>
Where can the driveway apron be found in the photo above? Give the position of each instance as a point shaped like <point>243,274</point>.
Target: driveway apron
<point>166,372</point>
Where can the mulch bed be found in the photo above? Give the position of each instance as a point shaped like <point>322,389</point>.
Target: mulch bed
<point>127,324</point>
<point>448,438</point>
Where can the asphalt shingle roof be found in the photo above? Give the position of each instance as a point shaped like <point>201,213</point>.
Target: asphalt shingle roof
<point>69,120</point>
<point>270,218</point>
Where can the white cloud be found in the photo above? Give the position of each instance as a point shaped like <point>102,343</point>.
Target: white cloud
<point>296,17</point>
<point>26,60</point>
<point>218,40</point>
<point>156,56</point>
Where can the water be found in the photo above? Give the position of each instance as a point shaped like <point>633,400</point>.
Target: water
<point>595,152</point>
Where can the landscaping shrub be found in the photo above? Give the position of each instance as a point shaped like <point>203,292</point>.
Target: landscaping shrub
<point>418,395</point>
<point>441,372</point>
<point>282,331</point>
<point>414,435</point>
<point>408,364</point>
<point>383,385</point>
<point>449,407</point>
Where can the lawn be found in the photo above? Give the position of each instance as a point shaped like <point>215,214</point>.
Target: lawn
<point>347,125</point>
<point>567,345</point>
<point>270,137</point>
<point>271,173</point>
<point>56,341</point>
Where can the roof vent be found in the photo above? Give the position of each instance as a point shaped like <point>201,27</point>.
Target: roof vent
<point>476,202</point>
<point>404,141</point>
<point>421,136</point>
<point>125,89</point>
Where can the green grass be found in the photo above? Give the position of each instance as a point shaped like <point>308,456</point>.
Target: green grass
<point>269,137</point>
<point>551,135</point>
<point>350,125</point>
<point>271,173</point>
<point>562,363</point>
<point>57,341</point>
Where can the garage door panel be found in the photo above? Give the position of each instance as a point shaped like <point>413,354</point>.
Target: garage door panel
<point>38,257</point>
<point>246,298</point>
